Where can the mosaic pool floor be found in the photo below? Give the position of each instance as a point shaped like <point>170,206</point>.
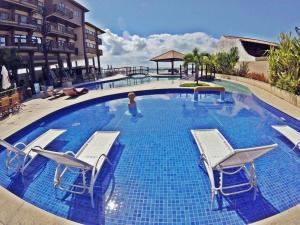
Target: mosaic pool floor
<point>156,177</point>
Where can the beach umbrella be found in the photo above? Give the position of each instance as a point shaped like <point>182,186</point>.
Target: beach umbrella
<point>5,78</point>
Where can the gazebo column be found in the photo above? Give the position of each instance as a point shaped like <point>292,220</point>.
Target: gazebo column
<point>157,67</point>
<point>172,67</point>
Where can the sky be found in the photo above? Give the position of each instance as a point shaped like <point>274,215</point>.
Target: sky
<point>138,30</point>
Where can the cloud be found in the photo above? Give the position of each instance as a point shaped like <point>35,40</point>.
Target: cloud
<point>136,50</point>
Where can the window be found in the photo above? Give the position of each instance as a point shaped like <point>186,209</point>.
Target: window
<point>77,13</point>
<point>90,45</point>
<point>90,32</point>
<point>20,39</point>
<point>61,28</point>
<point>39,21</point>
<point>61,6</point>
<point>36,40</point>
<point>2,41</point>
<point>23,19</point>
<point>4,16</point>
<point>61,43</point>
<point>41,4</point>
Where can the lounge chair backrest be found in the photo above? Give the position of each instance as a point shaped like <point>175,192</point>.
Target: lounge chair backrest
<point>243,156</point>
<point>10,147</point>
<point>290,133</point>
<point>63,159</point>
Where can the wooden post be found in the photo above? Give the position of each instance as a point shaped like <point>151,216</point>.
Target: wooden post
<point>180,72</point>
<point>157,67</point>
<point>172,67</point>
<point>192,69</point>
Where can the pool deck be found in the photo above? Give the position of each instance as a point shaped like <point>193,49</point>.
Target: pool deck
<point>14,210</point>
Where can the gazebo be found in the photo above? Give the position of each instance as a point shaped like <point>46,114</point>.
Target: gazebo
<point>170,56</point>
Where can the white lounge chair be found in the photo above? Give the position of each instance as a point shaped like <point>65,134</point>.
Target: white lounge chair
<point>289,133</point>
<point>25,155</point>
<point>90,157</point>
<point>218,155</point>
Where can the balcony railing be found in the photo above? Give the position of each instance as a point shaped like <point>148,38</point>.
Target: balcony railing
<point>65,47</point>
<point>99,41</point>
<point>24,44</point>
<point>32,2</point>
<point>90,37</point>
<point>55,28</point>
<point>63,11</point>
<point>91,50</point>
<point>27,3</point>
<point>6,19</point>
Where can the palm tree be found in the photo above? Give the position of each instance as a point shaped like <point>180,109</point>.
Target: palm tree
<point>195,58</point>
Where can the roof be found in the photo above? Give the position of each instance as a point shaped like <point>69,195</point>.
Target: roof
<point>95,27</point>
<point>169,56</point>
<point>79,5</point>
<point>253,40</point>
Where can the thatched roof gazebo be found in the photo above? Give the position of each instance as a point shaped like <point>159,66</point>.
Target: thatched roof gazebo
<point>170,56</point>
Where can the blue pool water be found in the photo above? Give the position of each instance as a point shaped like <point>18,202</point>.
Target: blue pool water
<point>137,79</point>
<point>156,177</point>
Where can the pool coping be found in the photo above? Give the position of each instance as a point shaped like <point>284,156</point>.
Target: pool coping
<point>27,212</point>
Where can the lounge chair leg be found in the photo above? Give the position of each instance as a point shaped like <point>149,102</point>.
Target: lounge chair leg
<point>92,197</point>
<point>212,199</point>
<point>296,146</point>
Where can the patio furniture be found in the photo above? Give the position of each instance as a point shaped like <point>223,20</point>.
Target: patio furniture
<point>90,158</point>
<point>218,155</point>
<point>75,92</point>
<point>24,156</point>
<point>5,106</point>
<point>15,102</point>
<point>290,133</point>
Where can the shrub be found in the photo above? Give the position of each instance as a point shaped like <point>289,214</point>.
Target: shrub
<point>226,61</point>
<point>243,70</point>
<point>257,76</point>
<point>285,63</point>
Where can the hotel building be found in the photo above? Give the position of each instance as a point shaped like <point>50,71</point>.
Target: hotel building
<point>48,32</point>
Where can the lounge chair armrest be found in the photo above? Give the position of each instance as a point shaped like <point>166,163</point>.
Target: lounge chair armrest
<point>103,155</point>
<point>204,158</point>
<point>38,147</point>
<point>70,153</point>
<point>20,143</point>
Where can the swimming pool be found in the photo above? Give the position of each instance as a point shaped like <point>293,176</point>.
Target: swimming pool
<point>156,177</point>
<point>124,82</point>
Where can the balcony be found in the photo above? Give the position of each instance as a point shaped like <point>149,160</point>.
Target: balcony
<point>22,46</point>
<point>18,22</point>
<point>62,47</point>
<point>99,41</point>
<point>22,4</point>
<point>55,29</point>
<point>90,37</point>
<point>90,50</point>
<point>61,12</point>
<point>100,52</point>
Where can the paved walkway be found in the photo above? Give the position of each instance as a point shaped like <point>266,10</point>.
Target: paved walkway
<point>272,100</point>
<point>14,210</point>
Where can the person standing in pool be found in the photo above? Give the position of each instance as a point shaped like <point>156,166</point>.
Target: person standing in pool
<point>132,106</point>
